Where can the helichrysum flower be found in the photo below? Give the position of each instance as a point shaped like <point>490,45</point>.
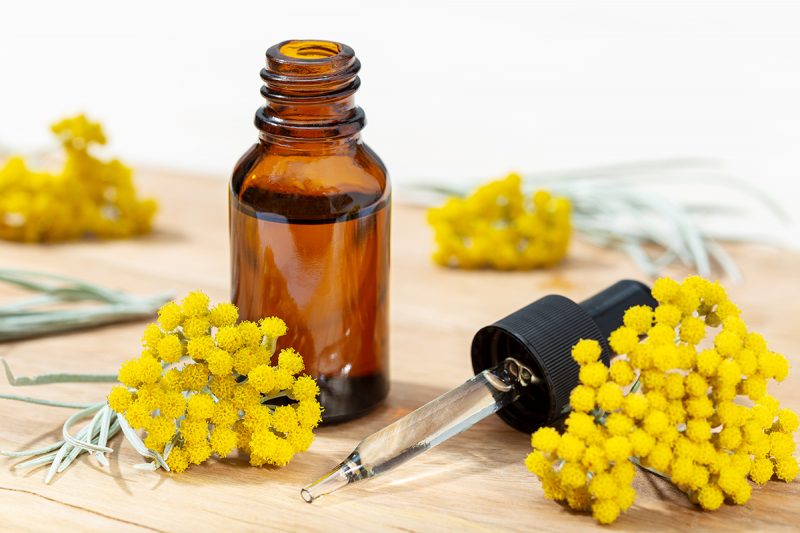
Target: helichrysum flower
<point>272,327</point>
<point>87,197</point>
<point>205,386</point>
<point>120,398</point>
<point>169,316</point>
<point>223,314</point>
<point>498,227</point>
<point>680,417</point>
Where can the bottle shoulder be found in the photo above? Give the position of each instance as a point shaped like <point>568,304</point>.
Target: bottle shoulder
<point>310,185</point>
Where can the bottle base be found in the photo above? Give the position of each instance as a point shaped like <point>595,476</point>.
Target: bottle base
<point>348,398</point>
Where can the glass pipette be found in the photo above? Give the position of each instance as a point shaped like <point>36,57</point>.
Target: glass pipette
<point>433,423</point>
<point>524,372</point>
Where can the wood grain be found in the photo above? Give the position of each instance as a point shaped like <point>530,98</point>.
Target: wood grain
<point>476,481</point>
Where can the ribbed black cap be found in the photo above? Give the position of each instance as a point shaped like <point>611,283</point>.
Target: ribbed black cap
<point>541,336</point>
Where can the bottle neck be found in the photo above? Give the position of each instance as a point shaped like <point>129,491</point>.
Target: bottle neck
<point>310,146</point>
<point>309,87</point>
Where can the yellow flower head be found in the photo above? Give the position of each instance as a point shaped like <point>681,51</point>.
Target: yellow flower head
<point>291,361</point>
<point>546,439</point>
<point>622,372</point>
<point>195,326</point>
<point>220,363</point>
<point>582,399</point>
<point>641,443</point>
<point>205,386</point>
<point>169,316</point>
<point>668,314</point>
<point>586,351</point>
<point>309,413</point>
<point>224,314</point>
<point>250,334</point>
<point>570,448</point>
<point>580,424</point>
<point>228,338</point>
<point>787,421</point>
<point>618,448</point>
<point>262,378</point>
<point>151,336</point>
<point>194,377</point>
<point>573,475</point>
<point>223,441</point>
<point>200,348</point>
<point>305,388</point>
<point>623,340</point>
<point>178,460</point>
<point>619,424</point>
<point>200,406</point>
<point>225,414</point>
<point>120,399</point>
<point>635,405</point>
<point>272,327</point>
<point>195,304</point>
<point>639,318</point>
<point>593,374</point>
<point>609,396</point>
<point>169,348</point>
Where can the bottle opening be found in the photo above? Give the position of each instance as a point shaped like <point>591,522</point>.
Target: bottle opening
<point>310,49</point>
<point>308,85</point>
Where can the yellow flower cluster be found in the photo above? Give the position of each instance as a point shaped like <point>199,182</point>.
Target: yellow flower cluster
<point>498,227</point>
<point>206,385</point>
<point>88,196</point>
<point>684,415</point>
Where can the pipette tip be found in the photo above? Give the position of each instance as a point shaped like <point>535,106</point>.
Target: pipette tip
<point>334,480</point>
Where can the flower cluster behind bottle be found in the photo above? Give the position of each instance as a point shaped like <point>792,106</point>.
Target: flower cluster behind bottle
<point>685,415</point>
<point>206,385</point>
<point>498,227</point>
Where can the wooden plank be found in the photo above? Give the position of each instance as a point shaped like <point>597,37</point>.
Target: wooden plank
<point>476,481</point>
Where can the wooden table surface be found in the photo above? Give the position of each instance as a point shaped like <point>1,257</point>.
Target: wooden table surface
<point>476,481</point>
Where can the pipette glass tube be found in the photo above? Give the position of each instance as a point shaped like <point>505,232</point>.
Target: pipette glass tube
<point>428,426</point>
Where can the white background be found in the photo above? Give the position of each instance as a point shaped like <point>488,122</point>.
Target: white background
<point>452,90</point>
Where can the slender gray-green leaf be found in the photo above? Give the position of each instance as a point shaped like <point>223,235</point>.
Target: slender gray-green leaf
<point>138,444</point>
<point>74,418</point>
<point>37,315</point>
<point>33,451</point>
<point>42,401</point>
<point>45,379</point>
<point>85,436</point>
<point>56,462</point>
<point>37,461</point>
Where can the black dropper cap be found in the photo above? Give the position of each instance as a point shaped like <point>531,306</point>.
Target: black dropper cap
<point>541,336</point>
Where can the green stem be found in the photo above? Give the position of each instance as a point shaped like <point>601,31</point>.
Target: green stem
<point>33,451</point>
<point>45,379</point>
<point>42,401</point>
<point>36,461</point>
<point>636,384</point>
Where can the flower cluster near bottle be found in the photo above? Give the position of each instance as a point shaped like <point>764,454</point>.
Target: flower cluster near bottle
<point>498,227</point>
<point>685,415</point>
<point>206,385</point>
<point>88,197</point>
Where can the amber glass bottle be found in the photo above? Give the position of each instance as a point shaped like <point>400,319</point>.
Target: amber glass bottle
<point>309,225</point>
